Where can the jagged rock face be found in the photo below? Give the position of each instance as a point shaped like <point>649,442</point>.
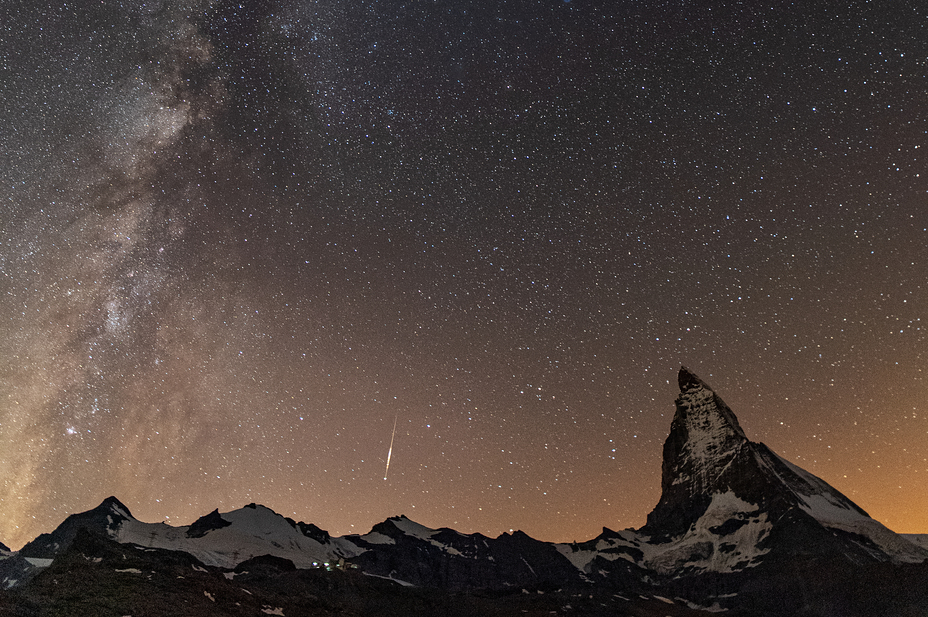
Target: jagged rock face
<point>205,524</point>
<point>705,439</point>
<point>311,531</point>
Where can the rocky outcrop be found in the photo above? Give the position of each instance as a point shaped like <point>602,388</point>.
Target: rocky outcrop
<point>207,523</point>
<point>106,517</point>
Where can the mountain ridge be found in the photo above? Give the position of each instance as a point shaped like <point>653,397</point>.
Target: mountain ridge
<point>734,521</point>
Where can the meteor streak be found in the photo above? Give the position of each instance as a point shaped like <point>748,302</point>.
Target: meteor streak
<point>390,451</point>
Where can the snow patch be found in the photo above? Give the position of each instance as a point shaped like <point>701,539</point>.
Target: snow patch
<point>835,511</point>
<point>580,558</point>
<point>375,537</point>
<point>610,550</point>
<point>115,508</point>
<point>834,516</point>
<point>713,608</point>
<point>708,546</point>
<point>272,611</point>
<point>130,570</point>
<point>413,529</point>
<point>390,578</point>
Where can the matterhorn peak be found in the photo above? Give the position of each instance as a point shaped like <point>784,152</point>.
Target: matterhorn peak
<point>702,413</point>
<point>688,380</point>
<point>705,438</point>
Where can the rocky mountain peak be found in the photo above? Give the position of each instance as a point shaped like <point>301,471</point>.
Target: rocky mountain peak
<point>113,505</point>
<point>718,488</point>
<point>705,438</point>
<point>702,413</point>
<point>107,518</point>
<point>688,380</point>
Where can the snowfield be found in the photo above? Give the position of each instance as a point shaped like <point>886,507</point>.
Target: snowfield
<point>254,531</point>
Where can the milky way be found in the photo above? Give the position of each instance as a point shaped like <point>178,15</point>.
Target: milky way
<point>238,239</point>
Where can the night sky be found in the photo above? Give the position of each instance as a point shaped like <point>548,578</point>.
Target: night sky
<point>238,242</point>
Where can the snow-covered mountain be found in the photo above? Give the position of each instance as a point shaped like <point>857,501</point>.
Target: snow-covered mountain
<point>734,516</point>
<point>227,539</point>
<point>737,528</point>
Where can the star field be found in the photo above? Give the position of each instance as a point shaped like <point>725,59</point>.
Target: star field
<point>238,240</point>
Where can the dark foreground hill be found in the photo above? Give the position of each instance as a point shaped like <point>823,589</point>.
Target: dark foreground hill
<point>738,530</point>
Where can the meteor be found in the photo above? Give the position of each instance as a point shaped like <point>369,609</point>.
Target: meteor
<point>390,451</point>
